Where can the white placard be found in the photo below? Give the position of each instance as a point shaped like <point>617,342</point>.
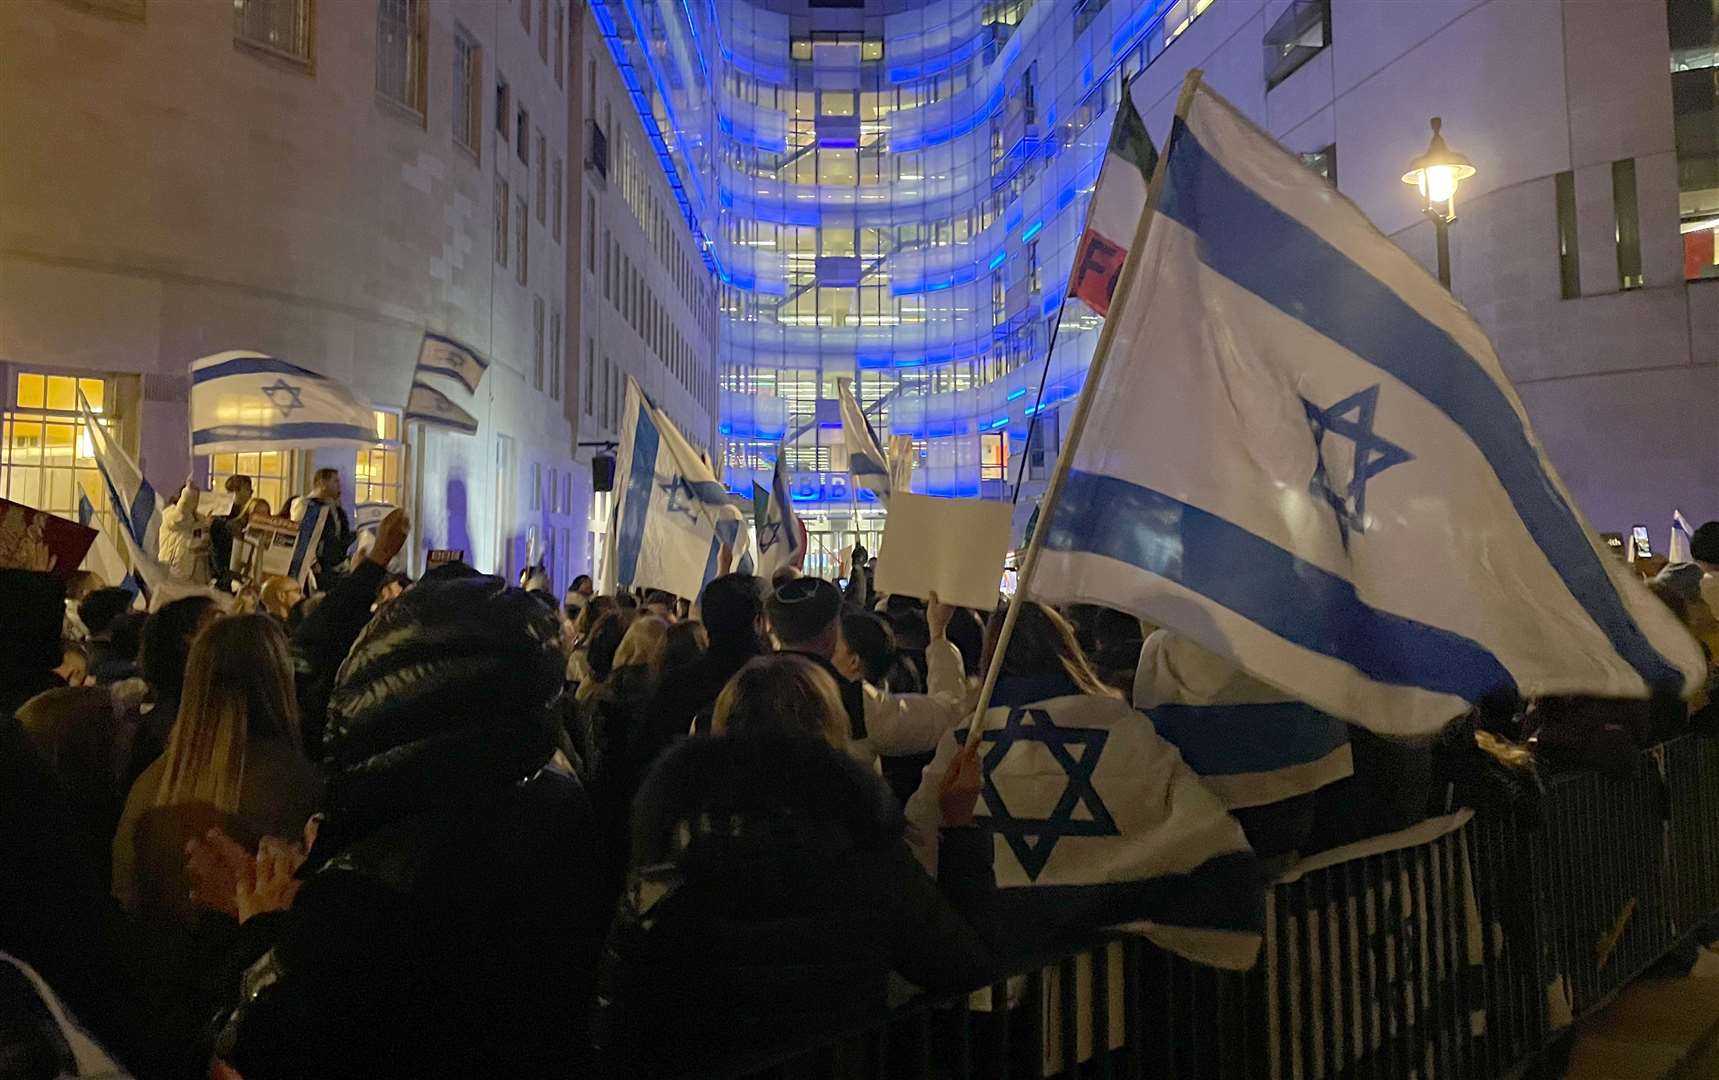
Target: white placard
<point>954,547</point>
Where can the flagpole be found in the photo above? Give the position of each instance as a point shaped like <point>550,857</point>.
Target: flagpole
<point>1094,374</point>
<point>1068,290</point>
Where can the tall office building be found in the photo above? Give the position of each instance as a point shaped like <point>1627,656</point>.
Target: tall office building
<point>892,190</point>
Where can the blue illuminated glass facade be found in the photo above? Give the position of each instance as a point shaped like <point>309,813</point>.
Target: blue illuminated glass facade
<point>892,193</point>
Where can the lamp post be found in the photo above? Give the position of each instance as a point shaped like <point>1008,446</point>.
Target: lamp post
<point>1436,174</point>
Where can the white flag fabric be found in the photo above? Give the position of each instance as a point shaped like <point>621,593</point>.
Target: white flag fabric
<point>1681,537</point>
<point>671,515</point>
<point>1095,818</point>
<point>866,460</point>
<point>134,504</point>
<point>781,539</point>
<point>1304,454</point>
<point>444,384</point>
<point>103,558</point>
<point>244,401</point>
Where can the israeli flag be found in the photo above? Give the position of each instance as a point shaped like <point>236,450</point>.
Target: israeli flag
<point>1096,821</point>
<point>866,460</point>
<point>247,401</point>
<point>672,517</point>
<point>1304,454</point>
<point>781,539</point>
<point>136,510</point>
<point>1681,537</point>
<point>444,384</point>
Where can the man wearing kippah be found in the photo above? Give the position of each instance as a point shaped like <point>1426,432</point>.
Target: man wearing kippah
<point>805,616</point>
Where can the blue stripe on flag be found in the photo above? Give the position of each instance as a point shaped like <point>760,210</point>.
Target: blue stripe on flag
<point>641,481</point>
<point>461,346</point>
<point>712,562</point>
<point>281,432</point>
<point>86,512</point>
<point>1290,266</point>
<point>251,365</point>
<point>141,511</point>
<point>1227,740</point>
<point>1263,583</point>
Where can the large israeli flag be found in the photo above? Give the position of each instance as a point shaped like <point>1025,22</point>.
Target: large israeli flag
<point>781,538</point>
<point>672,517</point>
<point>1303,453</point>
<point>244,400</point>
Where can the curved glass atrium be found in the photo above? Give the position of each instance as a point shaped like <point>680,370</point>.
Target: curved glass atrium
<point>891,192</point>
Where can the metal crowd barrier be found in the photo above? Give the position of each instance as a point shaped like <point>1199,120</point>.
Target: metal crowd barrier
<point>1463,956</point>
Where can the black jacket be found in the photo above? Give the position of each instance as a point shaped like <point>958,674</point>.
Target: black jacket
<point>450,918</point>
<point>691,695</point>
<point>334,545</point>
<point>771,895</point>
<point>612,734</point>
<point>320,644</point>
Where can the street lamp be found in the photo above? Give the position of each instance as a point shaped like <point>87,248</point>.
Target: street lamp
<point>1437,173</point>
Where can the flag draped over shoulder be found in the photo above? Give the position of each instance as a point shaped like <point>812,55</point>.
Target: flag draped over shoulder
<point>244,401</point>
<point>866,459</point>
<point>444,384</point>
<point>1095,821</point>
<point>1115,209</point>
<point>672,517</point>
<point>1303,453</point>
<point>781,540</point>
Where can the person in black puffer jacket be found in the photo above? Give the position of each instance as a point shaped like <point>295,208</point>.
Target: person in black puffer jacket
<point>771,891</point>
<point>447,923</point>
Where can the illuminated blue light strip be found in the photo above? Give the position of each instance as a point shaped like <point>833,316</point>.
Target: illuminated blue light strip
<point>1017,394</point>
<point>997,259</point>
<point>1032,231</point>
<point>999,422</point>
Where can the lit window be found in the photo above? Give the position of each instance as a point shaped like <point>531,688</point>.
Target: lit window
<point>800,48</point>
<point>282,27</point>
<point>46,460</point>
<point>378,474</point>
<point>1296,37</point>
<point>1181,16</point>
<point>468,92</point>
<point>273,474</point>
<point>993,456</point>
<point>400,52</point>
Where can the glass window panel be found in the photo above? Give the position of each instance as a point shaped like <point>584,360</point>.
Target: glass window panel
<point>31,390</point>
<point>95,392</point>
<point>62,393</point>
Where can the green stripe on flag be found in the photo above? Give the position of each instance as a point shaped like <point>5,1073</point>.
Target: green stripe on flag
<point>1129,140</point>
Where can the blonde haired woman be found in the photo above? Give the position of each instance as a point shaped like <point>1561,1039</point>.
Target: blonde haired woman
<point>234,761</point>
<point>782,695</point>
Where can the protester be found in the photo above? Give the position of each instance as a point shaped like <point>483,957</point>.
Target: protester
<point>34,606</point>
<point>79,584</point>
<point>578,595</point>
<point>578,659</point>
<point>226,528</point>
<point>280,594</point>
<point>337,535</point>
<point>805,615</point>
<point>99,607</point>
<point>74,732</point>
<point>74,669</point>
<point>732,611</point>
<point>444,922</point>
<point>1704,549</point>
<point>686,644</point>
<point>165,650</point>
<point>235,761</point>
<point>1264,754</point>
<point>772,893</point>
<point>183,548</point>
<point>113,655</point>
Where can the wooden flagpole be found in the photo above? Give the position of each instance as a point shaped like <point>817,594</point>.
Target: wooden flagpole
<point>1094,374</point>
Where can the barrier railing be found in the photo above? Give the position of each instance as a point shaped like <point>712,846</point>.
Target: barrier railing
<point>1463,952</point>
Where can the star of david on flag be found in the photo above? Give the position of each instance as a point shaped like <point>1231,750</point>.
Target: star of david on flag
<point>242,400</point>
<point>284,397</point>
<point>1078,811</point>
<point>781,540</point>
<point>1352,419</point>
<point>682,499</point>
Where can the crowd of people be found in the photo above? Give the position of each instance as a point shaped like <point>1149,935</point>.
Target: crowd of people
<point>458,827</point>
